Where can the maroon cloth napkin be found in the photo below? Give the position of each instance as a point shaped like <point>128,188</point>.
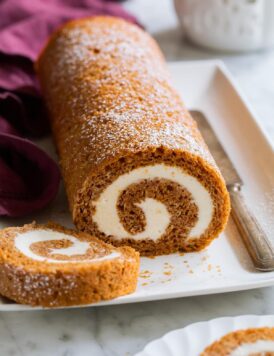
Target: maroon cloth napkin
<point>29,178</point>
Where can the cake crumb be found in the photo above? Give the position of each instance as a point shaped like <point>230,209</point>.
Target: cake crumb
<point>166,281</point>
<point>145,274</point>
<point>168,265</point>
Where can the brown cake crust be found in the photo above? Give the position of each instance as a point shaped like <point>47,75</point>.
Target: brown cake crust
<point>33,282</point>
<point>231,341</point>
<point>113,109</point>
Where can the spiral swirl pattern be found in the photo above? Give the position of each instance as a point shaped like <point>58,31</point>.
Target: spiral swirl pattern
<point>156,215</point>
<point>26,242</point>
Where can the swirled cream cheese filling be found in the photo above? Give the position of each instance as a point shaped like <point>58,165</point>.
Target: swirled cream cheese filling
<point>24,241</point>
<point>260,346</point>
<point>157,216</point>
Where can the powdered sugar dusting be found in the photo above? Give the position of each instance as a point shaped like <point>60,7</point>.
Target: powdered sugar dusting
<point>109,93</point>
<point>29,285</point>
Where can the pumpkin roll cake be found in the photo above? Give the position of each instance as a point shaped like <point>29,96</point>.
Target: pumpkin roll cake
<point>51,266</point>
<point>249,342</point>
<point>136,169</point>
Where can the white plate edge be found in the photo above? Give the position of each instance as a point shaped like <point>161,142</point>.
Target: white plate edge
<point>248,317</point>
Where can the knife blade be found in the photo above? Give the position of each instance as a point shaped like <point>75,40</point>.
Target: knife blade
<point>255,239</point>
<point>225,165</point>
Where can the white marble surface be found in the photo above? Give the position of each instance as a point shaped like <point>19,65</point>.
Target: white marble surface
<point>124,330</point>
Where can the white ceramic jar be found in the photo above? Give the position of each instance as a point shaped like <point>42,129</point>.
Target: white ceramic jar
<point>231,25</point>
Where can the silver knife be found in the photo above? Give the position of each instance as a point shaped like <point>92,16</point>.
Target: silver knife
<point>256,241</point>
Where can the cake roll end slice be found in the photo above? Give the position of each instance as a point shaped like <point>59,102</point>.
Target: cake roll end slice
<point>248,342</point>
<point>52,266</point>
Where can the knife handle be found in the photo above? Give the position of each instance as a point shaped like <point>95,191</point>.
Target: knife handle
<point>256,241</point>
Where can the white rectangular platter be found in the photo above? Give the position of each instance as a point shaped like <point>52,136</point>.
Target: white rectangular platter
<point>225,265</point>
